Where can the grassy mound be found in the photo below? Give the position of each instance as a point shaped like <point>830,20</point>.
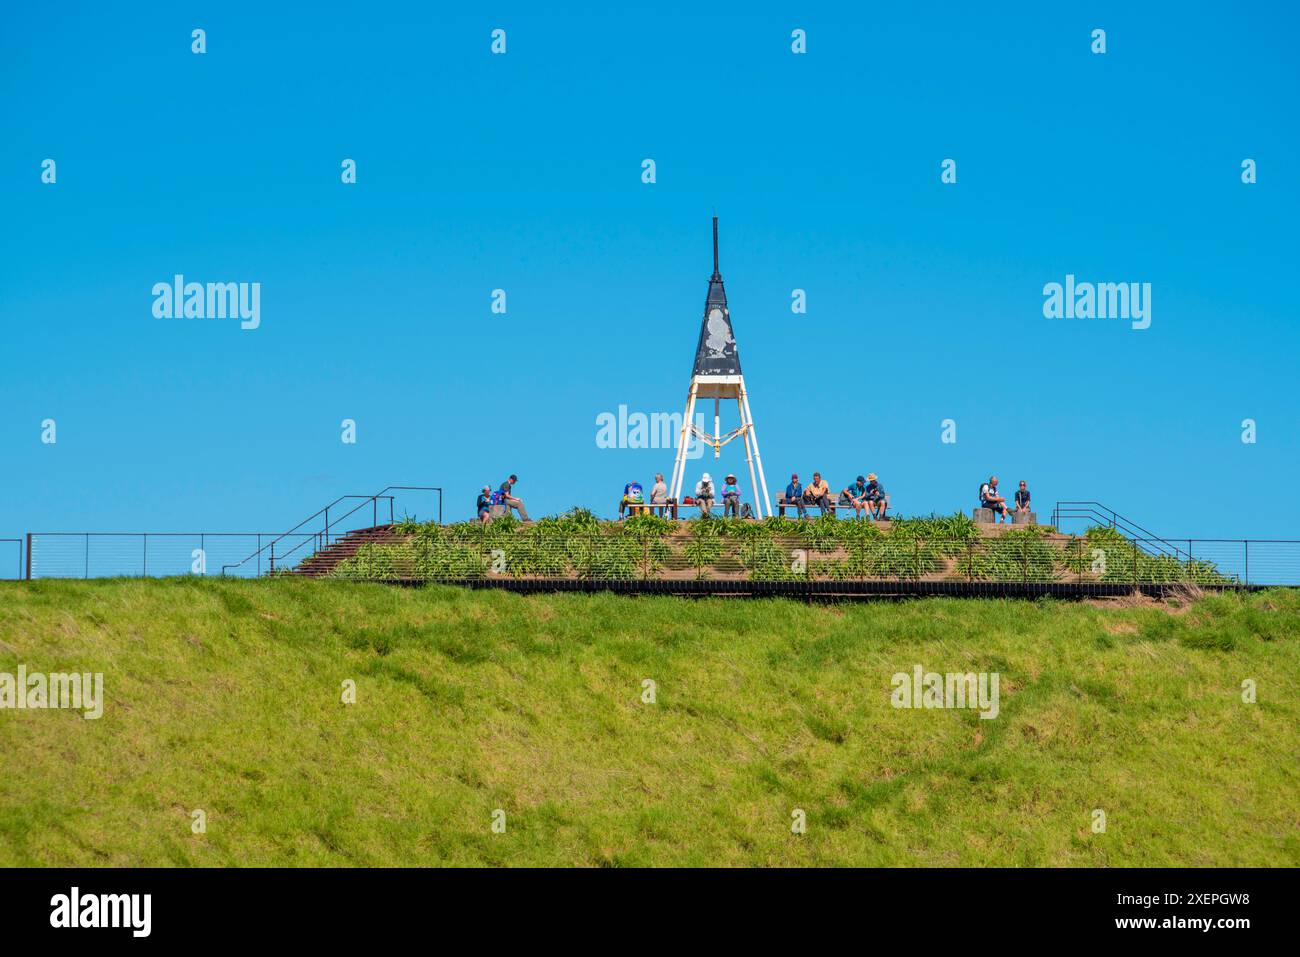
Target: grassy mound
<point>225,697</point>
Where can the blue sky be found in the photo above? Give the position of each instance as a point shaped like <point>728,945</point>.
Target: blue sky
<point>523,172</point>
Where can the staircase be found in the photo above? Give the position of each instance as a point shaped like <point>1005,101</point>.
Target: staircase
<point>323,562</point>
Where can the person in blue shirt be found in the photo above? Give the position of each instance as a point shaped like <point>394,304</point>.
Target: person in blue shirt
<point>484,504</point>
<point>793,496</point>
<point>632,496</point>
<point>876,497</point>
<point>856,495</point>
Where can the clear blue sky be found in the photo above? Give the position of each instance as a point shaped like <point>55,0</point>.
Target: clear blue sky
<point>523,172</point>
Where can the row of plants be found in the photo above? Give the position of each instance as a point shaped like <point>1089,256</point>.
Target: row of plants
<point>777,550</point>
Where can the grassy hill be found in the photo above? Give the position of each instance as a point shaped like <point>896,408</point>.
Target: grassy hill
<point>225,696</point>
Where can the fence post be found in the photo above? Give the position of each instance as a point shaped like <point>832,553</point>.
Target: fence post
<point>29,556</point>
<point>144,555</point>
<point>1245,542</point>
<point>87,556</point>
<point>1135,564</point>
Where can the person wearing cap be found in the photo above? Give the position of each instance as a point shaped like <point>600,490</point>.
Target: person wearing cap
<point>730,497</point>
<point>877,498</point>
<point>509,499</point>
<point>818,492</point>
<point>793,496</point>
<point>856,495</point>
<point>484,504</point>
<point>705,494</point>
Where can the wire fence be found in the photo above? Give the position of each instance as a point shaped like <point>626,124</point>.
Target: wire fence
<point>1213,563</point>
<point>461,553</point>
<point>160,554</point>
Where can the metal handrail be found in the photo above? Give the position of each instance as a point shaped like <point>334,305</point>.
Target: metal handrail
<point>1130,528</point>
<point>374,499</point>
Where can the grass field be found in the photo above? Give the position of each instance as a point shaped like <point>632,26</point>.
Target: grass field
<point>225,697</point>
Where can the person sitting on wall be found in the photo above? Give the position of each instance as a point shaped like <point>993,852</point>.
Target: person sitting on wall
<point>484,504</point>
<point>990,499</point>
<point>509,500</point>
<point>818,493</point>
<point>1022,498</point>
<point>877,498</point>
<point>704,494</point>
<point>856,495</point>
<point>730,497</point>
<point>793,496</point>
<point>632,498</point>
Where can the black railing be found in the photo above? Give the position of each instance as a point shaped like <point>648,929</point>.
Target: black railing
<point>345,507</point>
<point>245,554</point>
<point>468,553</point>
<point>1096,514</point>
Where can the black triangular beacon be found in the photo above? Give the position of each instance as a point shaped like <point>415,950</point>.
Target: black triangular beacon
<point>716,354</point>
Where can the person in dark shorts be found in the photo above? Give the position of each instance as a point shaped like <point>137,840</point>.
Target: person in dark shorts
<point>484,504</point>
<point>990,499</point>
<point>876,497</point>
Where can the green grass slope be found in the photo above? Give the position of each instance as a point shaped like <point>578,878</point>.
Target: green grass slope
<point>225,696</point>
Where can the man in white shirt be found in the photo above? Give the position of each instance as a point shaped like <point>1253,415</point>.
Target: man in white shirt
<point>705,494</point>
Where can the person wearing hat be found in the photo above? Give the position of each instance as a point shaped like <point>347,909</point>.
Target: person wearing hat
<point>876,497</point>
<point>856,495</point>
<point>705,494</point>
<point>731,497</point>
<point>793,496</point>
<point>484,504</point>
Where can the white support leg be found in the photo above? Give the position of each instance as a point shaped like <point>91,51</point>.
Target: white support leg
<point>758,458</point>
<point>749,459</point>
<point>717,428</point>
<point>679,464</point>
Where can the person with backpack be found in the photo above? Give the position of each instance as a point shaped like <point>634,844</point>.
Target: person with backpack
<point>704,494</point>
<point>990,499</point>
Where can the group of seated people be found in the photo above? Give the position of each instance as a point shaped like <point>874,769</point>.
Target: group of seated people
<point>992,499</point>
<point>706,497</point>
<point>633,501</point>
<point>864,495</point>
